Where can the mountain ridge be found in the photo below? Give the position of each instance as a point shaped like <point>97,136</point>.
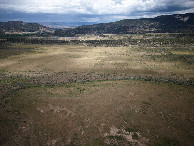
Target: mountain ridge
<point>176,23</point>
<point>19,27</point>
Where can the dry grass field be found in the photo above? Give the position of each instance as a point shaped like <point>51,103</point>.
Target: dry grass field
<point>80,94</point>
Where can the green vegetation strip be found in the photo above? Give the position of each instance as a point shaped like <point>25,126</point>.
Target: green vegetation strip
<point>9,84</point>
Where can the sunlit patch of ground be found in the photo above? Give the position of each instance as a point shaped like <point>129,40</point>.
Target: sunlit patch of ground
<point>69,58</point>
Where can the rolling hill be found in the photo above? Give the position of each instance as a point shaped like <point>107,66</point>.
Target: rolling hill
<point>177,23</point>
<point>16,27</point>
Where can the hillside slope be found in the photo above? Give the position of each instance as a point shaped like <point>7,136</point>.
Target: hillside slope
<point>21,27</point>
<point>161,24</point>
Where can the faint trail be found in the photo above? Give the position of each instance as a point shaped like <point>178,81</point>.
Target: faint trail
<point>32,137</point>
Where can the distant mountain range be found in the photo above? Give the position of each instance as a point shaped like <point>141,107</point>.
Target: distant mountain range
<point>177,23</point>
<point>65,24</point>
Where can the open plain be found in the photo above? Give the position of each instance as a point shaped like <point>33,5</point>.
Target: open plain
<point>98,90</point>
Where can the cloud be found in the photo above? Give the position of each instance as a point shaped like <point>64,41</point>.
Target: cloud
<point>99,10</point>
<point>92,6</point>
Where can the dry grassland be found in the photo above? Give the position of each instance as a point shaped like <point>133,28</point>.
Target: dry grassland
<point>96,95</point>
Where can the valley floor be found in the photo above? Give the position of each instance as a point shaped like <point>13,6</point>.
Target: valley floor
<point>80,94</point>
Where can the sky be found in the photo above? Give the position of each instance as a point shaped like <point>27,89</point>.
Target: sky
<point>100,11</point>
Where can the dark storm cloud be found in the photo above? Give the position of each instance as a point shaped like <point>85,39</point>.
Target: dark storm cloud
<point>90,10</point>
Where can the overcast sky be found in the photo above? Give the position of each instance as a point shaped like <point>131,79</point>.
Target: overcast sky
<point>89,10</point>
